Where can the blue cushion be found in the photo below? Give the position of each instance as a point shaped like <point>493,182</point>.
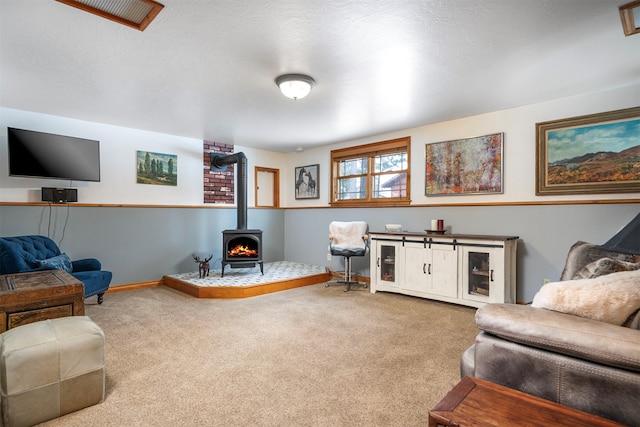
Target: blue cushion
<point>60,262</point>
<point>95,282</point>
<point>20,253</point>
<point>86,264</point>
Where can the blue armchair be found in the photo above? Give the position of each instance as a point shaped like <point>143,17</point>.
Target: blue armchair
<point>23,254</point>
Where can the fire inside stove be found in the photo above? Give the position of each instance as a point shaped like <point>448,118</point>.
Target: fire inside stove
<point>243,247</point>
<point>242,251</point>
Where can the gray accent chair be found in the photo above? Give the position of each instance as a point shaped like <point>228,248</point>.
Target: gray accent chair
<point>579,362</point>
<point>576,361</point>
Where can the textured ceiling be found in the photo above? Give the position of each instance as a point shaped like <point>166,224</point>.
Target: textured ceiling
<point>206,69</point>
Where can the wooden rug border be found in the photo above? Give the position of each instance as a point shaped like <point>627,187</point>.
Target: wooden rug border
<point>243,291</point>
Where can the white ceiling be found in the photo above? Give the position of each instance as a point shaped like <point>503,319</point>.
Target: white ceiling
<point>206,69</point>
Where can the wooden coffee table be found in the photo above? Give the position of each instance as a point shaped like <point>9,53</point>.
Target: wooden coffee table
<point>40,295</point>
<point>476,402</point>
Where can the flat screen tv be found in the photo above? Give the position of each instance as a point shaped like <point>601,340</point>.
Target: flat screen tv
<point>44,155</point>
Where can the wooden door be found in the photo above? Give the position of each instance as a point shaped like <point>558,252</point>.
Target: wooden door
<point>267,187</point>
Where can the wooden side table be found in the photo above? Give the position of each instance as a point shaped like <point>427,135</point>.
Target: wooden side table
<point>39,295</point>
<point>476,402</point>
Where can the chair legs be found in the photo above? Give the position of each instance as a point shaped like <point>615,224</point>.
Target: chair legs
<point>348,279</point>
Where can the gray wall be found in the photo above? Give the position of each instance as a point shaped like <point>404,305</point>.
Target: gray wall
<point>546,232</point>
<point>142,244</point>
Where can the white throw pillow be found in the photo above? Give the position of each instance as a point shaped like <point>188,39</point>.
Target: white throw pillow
<point>611,298</point>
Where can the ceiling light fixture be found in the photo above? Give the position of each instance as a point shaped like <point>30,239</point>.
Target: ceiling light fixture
<point>132,13</point>
<point>295,86</point>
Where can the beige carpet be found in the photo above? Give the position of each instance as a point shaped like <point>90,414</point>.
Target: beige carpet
<point>310,356</point>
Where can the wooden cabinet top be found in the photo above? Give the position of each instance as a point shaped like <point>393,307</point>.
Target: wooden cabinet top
<point>39,295</point>
<point>424,234</point>
<point>38,283</point>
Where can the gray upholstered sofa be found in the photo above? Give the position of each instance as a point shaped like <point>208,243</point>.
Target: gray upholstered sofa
<point>578,358</point>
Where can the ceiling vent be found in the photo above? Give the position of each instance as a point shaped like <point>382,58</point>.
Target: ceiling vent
<point>132,13</point>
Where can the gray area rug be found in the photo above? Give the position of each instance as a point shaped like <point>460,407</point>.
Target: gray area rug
<point>310,356</point>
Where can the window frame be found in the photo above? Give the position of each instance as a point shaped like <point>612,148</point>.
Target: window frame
<point>370,151</point>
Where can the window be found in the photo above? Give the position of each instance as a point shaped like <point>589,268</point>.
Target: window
<point>375,174</point>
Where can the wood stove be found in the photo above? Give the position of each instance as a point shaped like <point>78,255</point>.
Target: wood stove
<point>241,247</point>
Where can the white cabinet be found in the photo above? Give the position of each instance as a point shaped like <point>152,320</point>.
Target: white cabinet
<point>464,269</point>
<point>417,268</point>
<point>430,268</point>
<point>444,271</point>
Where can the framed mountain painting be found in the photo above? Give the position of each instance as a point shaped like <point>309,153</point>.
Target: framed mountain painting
<point>597,153</point>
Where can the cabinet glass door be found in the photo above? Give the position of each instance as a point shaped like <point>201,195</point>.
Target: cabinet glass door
<point>477,270</point>
<point>483,274</point>
<point>478,273</point>
<point>387,263</point>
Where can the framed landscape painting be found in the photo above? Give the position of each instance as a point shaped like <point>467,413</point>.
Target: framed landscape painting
<point>464,166</point>
<point>156,168</point>
<point>597,153</point>
<point>307,179</point>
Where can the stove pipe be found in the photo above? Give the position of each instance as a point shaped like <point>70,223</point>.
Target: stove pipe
<point>219,163</point>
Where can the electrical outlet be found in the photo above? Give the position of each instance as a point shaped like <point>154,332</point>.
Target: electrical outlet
<point>328,256</point>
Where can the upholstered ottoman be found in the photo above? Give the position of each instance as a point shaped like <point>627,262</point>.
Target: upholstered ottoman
<point>50,368</point>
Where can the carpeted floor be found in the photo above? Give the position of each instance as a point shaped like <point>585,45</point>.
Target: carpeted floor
<point>310,356</point>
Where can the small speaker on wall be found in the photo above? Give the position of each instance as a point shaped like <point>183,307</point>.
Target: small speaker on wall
<point>59,195</point>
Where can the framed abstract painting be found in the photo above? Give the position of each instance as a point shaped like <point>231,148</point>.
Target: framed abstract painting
<point>464,166</point>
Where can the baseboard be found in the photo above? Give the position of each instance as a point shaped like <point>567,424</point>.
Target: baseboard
<point>135,286</point>
<point>244,291</point>
<point>153,283</point>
